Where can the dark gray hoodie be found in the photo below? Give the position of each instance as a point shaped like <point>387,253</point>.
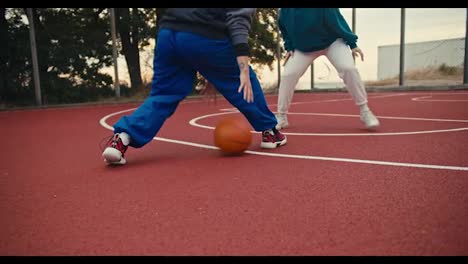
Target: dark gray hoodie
<point>216,23</point>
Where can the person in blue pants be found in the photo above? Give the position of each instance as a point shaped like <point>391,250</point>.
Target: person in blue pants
<point>212,41</point>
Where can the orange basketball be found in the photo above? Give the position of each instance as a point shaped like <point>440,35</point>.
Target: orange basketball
<point>232,135</point>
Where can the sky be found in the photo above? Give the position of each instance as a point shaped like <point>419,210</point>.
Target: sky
<point>381,26</point>
<point>375,27</point>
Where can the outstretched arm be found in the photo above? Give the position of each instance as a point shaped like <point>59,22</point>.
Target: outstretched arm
<point>238,21</point>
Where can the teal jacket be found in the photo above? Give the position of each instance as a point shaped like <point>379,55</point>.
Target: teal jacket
<point>313,29</point>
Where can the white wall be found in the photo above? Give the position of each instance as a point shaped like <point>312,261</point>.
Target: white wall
<point>420,55</point>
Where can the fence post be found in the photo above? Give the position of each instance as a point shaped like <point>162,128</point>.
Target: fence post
<point>32,39</point>
<point>354,25</point>
<point>114,52</point>
<point>402,48</point>
<point>312,76</point>
<point>278,48</point>
<point>465,67</point>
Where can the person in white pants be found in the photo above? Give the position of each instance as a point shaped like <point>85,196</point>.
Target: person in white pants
<point>312,32</point>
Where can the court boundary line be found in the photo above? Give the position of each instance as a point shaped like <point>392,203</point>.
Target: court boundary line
<point>194,121</point>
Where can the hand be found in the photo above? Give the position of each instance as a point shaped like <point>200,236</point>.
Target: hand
<point>357,52</point>
<point>287,56</point>
<point>245,85</point>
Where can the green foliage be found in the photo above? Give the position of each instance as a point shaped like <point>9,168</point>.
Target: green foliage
<point>74,45</point>
<point>263,37</point>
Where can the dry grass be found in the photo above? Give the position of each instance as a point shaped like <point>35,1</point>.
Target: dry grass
<point>435,74</point>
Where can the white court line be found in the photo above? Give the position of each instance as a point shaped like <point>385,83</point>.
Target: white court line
<point>194,121</point>
<point>350,99</point>
<point>103,123</point>
<point>325,101</point>
<point>388,117</point>
<point>423,99</point>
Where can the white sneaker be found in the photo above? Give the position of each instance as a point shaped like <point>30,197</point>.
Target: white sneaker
<point>369,120</point>
<point>115,150</point>
<point>282,121</point>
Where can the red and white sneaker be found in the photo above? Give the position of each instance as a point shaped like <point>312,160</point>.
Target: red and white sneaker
<point>115,150</point>
<point>272,138</point>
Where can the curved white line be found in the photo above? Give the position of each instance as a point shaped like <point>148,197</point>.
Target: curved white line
<point>102,121</point>
<point>423,98</point>
<point>194,121</point>
<point>388,117</point>
<point>325,101</point>
<point>376,134</point>
<point>420,99</point>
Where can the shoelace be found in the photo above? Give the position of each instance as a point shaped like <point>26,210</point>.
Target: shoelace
<point>115,144</point>
<point>106,139</point>
<point>269,134</point>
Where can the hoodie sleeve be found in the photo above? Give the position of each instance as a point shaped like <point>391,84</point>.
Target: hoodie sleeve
<point>238,22</point>
<point>336,22</point>
<point>284,33</point>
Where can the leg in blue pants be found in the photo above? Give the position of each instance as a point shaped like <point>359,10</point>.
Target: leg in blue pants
<point>172,82</point>
<point>178,56</point>
<point>216,61</point>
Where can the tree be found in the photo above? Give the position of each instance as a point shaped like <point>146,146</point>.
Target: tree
<point>135,26</point>
<point>73,45</point>
<point>262,38</point>
<point>4,58</point>
<point>15,72</point>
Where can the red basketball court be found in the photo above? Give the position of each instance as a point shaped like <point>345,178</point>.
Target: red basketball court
<point>334,189</point>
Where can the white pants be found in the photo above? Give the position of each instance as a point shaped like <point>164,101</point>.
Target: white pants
<point>339,54</point>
